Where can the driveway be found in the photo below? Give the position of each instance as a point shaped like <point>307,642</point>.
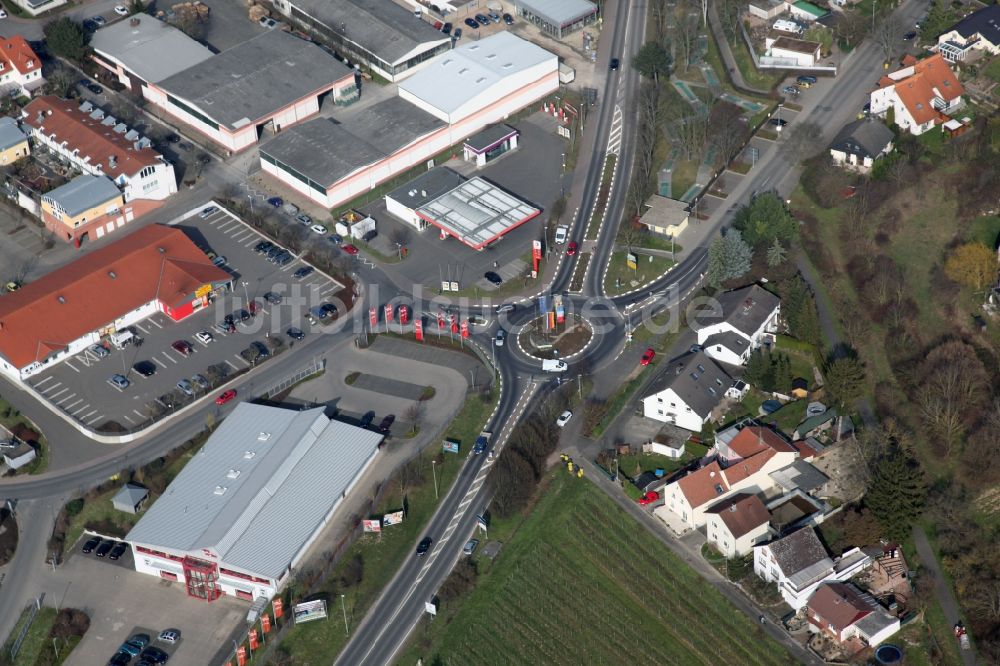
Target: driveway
<point>942,590</point>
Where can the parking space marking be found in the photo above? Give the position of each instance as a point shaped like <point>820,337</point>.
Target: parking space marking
<point>238,237</point>
<point>44,379</point>
<point>91,421</point>
<point>253,241</point>
<point>82,409</point>
<point>170,358</point>
<point>159,362</point>
<point>71,366</point>
<point>65,398</point>
<point>329,290</point>
<point>138,413</point>
<point>238,358</point>
<point>226,225</point>
<point>58,393</point>
<point>142,328</point>
<point>232,365</point>
<point>72,404</point>
<point>155,323</point>
<point>127,418</point>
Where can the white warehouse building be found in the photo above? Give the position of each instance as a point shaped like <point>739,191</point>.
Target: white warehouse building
<point>242,514</point>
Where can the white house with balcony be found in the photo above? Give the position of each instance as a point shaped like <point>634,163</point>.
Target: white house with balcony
<point>743,320</point>
<point>921,95</point>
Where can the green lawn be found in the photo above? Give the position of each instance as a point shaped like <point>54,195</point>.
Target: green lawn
<point>581,583</point>
<point>985,229</point>
<point>801,356</point>
<point>993,70</point>
<point>788,416</point>
<point>654,242</point>
<point>318,642</point>
<point>683,177</point>
<point>620,277</point>
<point>37,649</point>
<point>650,462</point>
<point>11,418</point>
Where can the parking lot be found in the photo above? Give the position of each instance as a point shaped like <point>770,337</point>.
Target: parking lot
<point>80,385</point>
<point>121,603</point>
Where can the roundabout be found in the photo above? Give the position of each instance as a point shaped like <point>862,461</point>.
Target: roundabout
<point>543,339</point>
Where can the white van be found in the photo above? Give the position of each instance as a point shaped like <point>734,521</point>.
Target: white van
<point>554,365</point>
<point>121,339</point>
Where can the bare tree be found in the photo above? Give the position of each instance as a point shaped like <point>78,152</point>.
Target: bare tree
<point>851,27</point>
<point>726,131</point>
<point>414,415</point>
<point>685,37</point>
<point>730,12</point>
<point>953,388</point>
<point>888,35</point>
<point>660,10</point>
<point>20,274</point>
<point>802,141</point>
<point>60,81</point>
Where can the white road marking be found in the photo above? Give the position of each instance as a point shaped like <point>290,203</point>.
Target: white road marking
<point>231,365</point>
<point>58,393</point>
<point>72,404</point>
<point>73,367</point>
<point>155,323</point>
<point>139,414</point>
<point>127,418</point>
<point>65,398</point>
<point>43,380</point>
<point>98,417</point>
<point>170,358</point>
<point>81,410</point>
<point>159,362</point>
<point>142,328</point>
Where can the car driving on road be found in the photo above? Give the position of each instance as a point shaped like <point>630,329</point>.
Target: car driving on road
<point>424,546</point>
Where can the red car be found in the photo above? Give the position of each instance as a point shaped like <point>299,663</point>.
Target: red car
<point>349,249</point>
<point>647,356</point>
<point>571,248</point>
<point>226,397</point>
<point>182,347</point>
<point>649,498</point>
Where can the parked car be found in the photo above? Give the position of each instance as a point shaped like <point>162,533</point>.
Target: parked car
<point>185,387</point>
<point>807,78</point>
<point>424,546</point>
<point>446,28</point>
<point>145,368</point>
<point>304,219</point>
<point>778,122</point>
<point>201,381</point>
<point>263,246</point>
<point>649,498</point>
<point>386,423</point>
<point>305,271</point>
<point>647,356</point>
<point>219,262</point>
<point>272,298</point>
<point>204,337</point>
<point>329,309</point>
<point>182,347</point>
<point>100,351</point>
<point>367,419</point>
<point>99,20</point>
<point>336,239</point>
<point>205,212</point>
<point>500,338</point>
<point>564,418</point>
<point>242,314</point>
<point>91,544</point>
<point>295,334</point>
<point>267,22</point>
<point>562,232</point>
<point>118,381</point>
<point>472,23</point>
<point>482,19</point>
<point>909,36</point>
<point>572,248</point>
<point>120,659</point>
<point>317,313</point>
<point>225,397</point>
<point>277,202</point>
<point>791,90</point>
<point>169,636</point>
<point>121,10</point>
<point>94,88</point>
<point>470,546</point>
<point>508,19</point>
<point>456,34</point>
<point>318,229</point>
<point>369,236</point>
<point>118,550</point>
<point>104,548</point>
<point>495,17</point>
<point>284,258</point>
<point>349,249</point>
<point>493,277</point>
<point>261,348</point>
<point>154,654</point>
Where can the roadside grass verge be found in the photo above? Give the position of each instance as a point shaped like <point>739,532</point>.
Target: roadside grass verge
<point>11,418</point>
<point>619,277</point>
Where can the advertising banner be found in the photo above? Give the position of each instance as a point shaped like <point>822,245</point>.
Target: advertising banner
<point>394,518</point>
<point>450,446</point>
<point>404,314</point>
<point>632,261</point>
<point>418,330</point>
<point>465,328</point>
<point>372,317</point>
<point>440,320</point>
<point>265,623</point>
<point>253,639</point>
<point>308,611</point>
<point>372,525</point>
<point>560,311</point>
<point>388,313</point>
<point>536,254</point>
<point>454,327</point>
<point>241,656</point>
<point>279,608</point>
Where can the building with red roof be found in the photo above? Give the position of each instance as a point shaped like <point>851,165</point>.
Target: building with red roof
<point>155,269</point>
<point>20,68</point>
<point>921,94</point>
<point>737,523</point>
<point>849,616</point>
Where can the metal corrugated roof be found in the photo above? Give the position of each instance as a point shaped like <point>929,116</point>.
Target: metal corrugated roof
<point>259,488</point>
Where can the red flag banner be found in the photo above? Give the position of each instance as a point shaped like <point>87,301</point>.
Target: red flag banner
<point>265,623</point>
<point>253,639</point>
<point>241,656</point>
<point>278,608</point>
<point>465,328</point>
<point>388,313</point>
<point>418,330</point>
<point>440,320</point>
<point>404,314</point>
<point>373,322</point>
<point>454,327</point>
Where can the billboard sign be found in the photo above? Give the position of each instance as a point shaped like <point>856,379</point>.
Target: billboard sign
<point>560,312</point>
<point>372,525</point>
<point>632,261</point>
<point>450,446</point>
<point>308,611</point>
<point>394,518</point>
<point>430,607</point>
<point>241,656</point>
<point>265,623</point>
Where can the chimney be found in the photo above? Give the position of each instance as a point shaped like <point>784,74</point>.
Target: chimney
<point>134,22</point>
<point>112,162</point>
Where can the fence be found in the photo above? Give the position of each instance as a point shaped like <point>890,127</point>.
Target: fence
<point>770,62</point>
<point>315,366</point>
<point>32,612</point>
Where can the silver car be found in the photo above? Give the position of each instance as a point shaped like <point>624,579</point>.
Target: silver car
<point>119,382</point>
<point>99,351</point>
<point>201,381</point>
<point>185,387</point>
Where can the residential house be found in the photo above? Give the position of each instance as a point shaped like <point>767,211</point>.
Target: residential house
<point>13,142</point>
<point>664,216</point>
<point>100,145</point>
<point>815,425</point>
<point>798,563</point>
<point>793,52</point>
<point>130,498</point>
<point>860,143</point>
<point>849,616</point>
<point>737,523</point>
<point>687,392</point>
<point>979,31</point>
<point>17,454</point>
<point>20,68</point>
<point>744,320</point>
<point>86,202</point>
<point>921,94</point>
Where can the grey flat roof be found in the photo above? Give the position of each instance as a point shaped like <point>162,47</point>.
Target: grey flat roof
<point>489,137</point>
<point>255,79</point>
<point>426,187</point>
<point>559,12</point>
<point>83,193</point>
<point>152,49</point>
<point>457,77</point>
<point>259,488</point>
<point>381,27</point>
<point>477,212</point>
<point>326,151</point>
<point>10,133</point>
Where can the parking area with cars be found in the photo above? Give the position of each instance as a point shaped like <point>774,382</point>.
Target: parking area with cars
<point>158,365</point>
<point>126,606</point>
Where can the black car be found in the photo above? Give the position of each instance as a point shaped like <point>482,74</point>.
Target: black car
<point>242,315</point>
<point>615,64</point>
<point>471,23</point>
<point>508,19</point>
<point>263,246</point>
<point>145,368</point>
<point>273,252</point>
<point>154,655</point>
<point>262,350</point>
<point>118,550</point>
<point>778,122</point>
<point>457,34</point>
<point>172,138</point>
<point>386,423</point>
<point>424,546</point>
<point>367,419</point>
<point>284,258</point>
<point>272,298</point>
<point>494,278</point>
<point>91,545</point>
<point>446,29</point>
<point>295,333</point>
<point>305,271</point>
<point>807,78</point>
<point>370,236</point>
<point>120,659</point>
<point>104,548</point>
<point>329,308</point>
<point>909,36</point>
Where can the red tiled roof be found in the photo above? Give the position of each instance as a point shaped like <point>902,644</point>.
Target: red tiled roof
<point>754,439</point>
<point>88,136</point>
<point>699,487</point>
<point>838,604</point>
<point>741,513</point>
<point>747,467</point>
<point>931,78</point>
<point>17,54</point>
<point>153,263</point>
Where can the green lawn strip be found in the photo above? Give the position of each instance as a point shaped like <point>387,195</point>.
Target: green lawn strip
<point>651,242</point>
<point>762,80</point>
<point>10,418</point>
<point>986,229</point>
<point>617,400</point>
<point>100,514</point>
<point>789,416</point>
<point>942,631</point>
<point>683,176</point>
<point>634,465</point>
<point>319,642</point>
<point>801,356</point>
<point>604,194</point>
<point>619,278</point>
<point>993,70</point>
<point>576,561</point>
<point>36,638</point>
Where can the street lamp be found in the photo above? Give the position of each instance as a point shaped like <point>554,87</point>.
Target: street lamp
<point>434,473</point>
<point>246,294</point>
<point>562,177</point>
<point>343,607</point>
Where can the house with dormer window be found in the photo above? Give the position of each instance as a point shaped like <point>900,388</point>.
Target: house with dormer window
<point>20,68</point>
<point>921,95</point>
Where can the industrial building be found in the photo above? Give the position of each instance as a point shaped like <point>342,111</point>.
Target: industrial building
<point>452,97</point>
<point>242,514</point>
<point>154,269</point>
<point>379,34</point>
<point>404,201</point>
<point>476,213</point>
<point>254,89</point>
<point>557,17</point>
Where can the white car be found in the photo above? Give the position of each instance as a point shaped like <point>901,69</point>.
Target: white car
<point>501,336</point>
<point>3,14</point>
<point>318,229</point>
<point>561,233</point>
<point>205,337</point>
<point>121,10</point>
<point>564,418</point>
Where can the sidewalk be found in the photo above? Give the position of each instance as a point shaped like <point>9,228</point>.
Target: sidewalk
<point>734,74</point>
<point>942,590</point>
